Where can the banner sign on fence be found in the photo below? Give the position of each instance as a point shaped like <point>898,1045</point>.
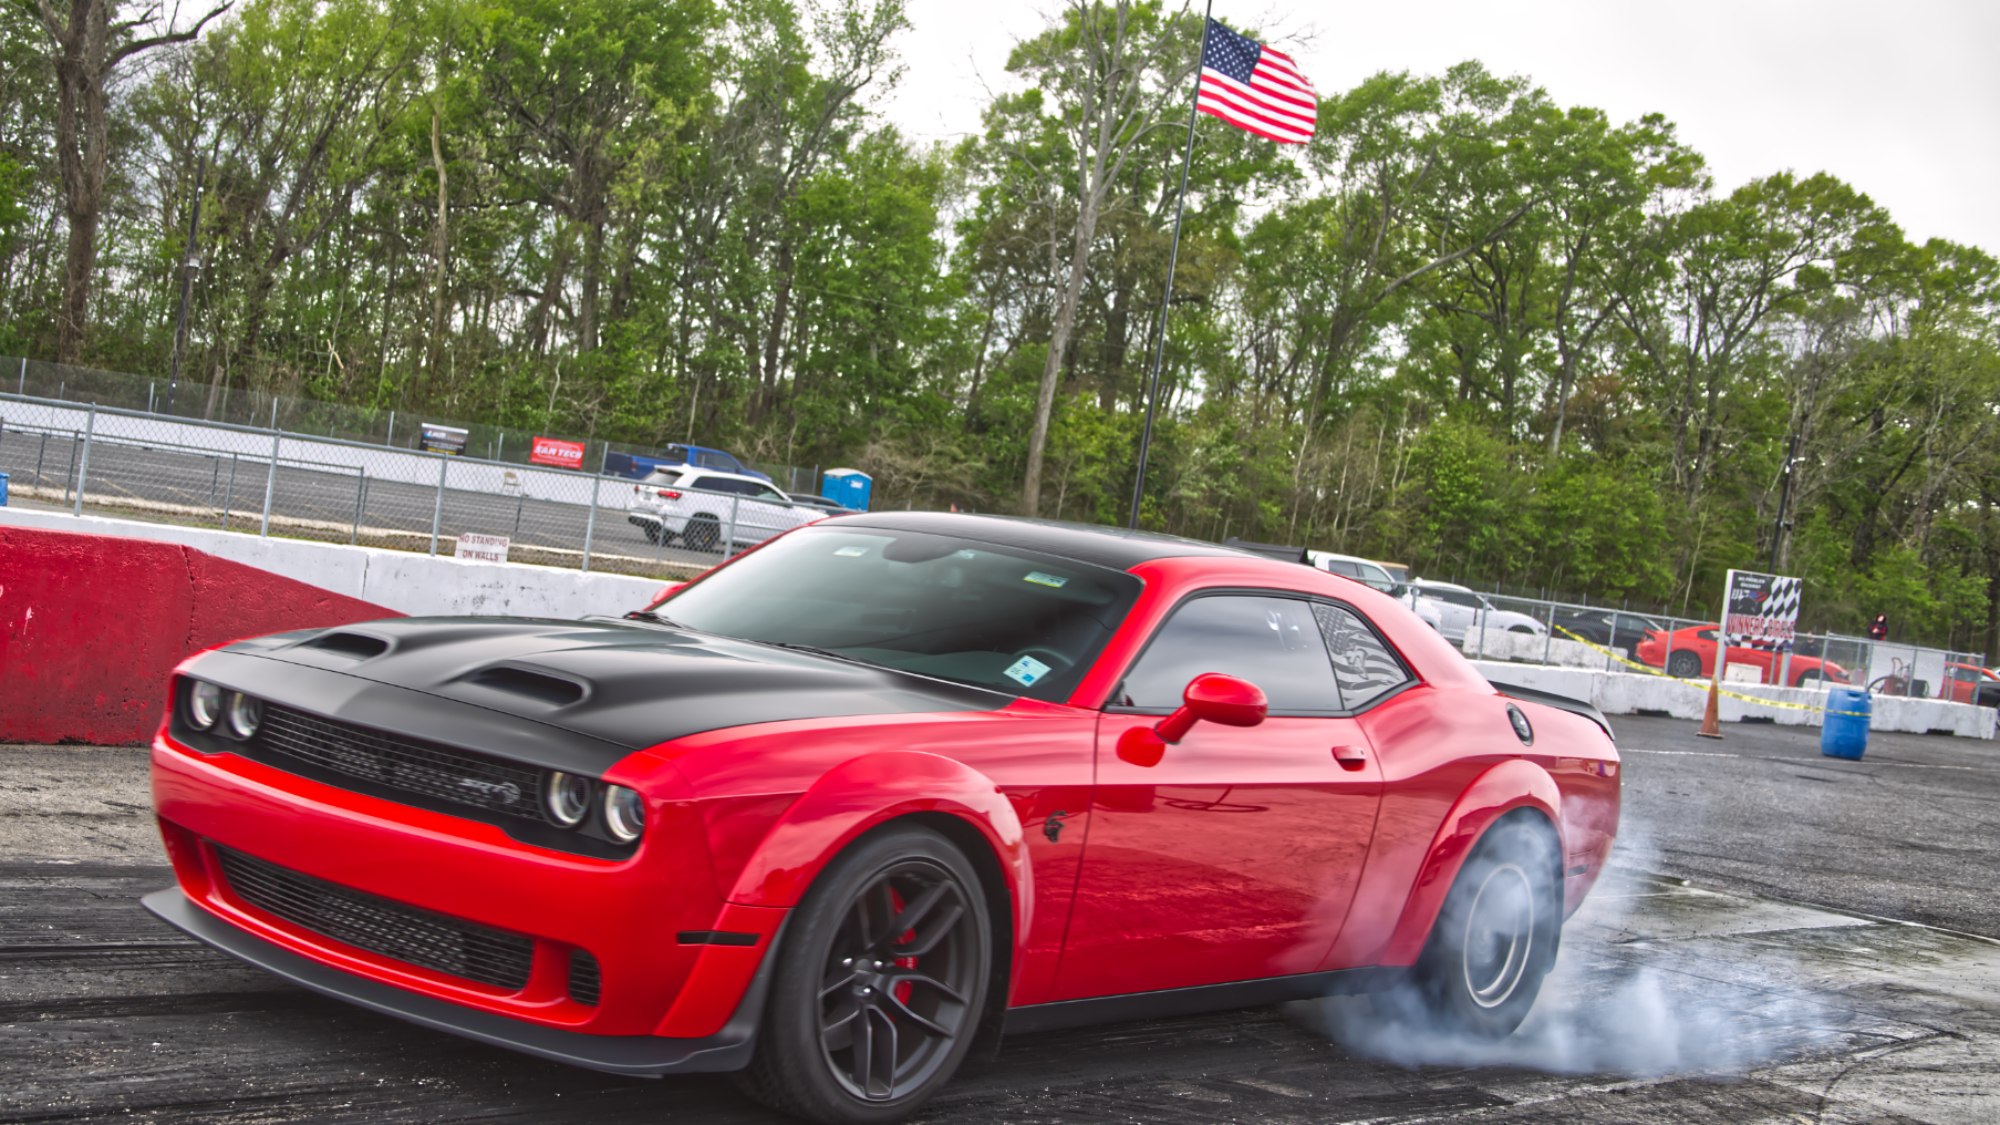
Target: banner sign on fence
<point>481,548</point>
<point>1761,610</point>
<point>442,439</point>
<point>551,451</point>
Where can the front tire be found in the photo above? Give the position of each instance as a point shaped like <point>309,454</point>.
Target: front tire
<point>1495,937</point>
<point>879,985</point>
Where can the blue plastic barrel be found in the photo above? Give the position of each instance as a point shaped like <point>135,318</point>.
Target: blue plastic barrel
<point>1845,735</point>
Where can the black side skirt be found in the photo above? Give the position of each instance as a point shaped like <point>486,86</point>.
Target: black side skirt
<point>639,1056</point>
<point>1203,998</point>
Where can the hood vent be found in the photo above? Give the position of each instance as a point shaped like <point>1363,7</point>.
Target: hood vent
<point>538,686</point>
<point>360,646</point>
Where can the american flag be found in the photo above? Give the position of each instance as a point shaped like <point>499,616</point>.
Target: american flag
<point>1253,87</point>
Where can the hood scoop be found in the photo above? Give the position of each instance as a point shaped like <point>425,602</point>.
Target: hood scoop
<point>360,646</point>
<point>523,683</point>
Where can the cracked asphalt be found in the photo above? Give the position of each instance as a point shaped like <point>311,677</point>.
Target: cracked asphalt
<point>1782,938</point>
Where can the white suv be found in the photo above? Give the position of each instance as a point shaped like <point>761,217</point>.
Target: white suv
<point>1462,609</point>
<point>707,509</point>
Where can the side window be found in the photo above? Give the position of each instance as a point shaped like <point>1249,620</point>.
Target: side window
<point>1272,642</point>
<point>1363,665</point>
<point>1455,597</point>
<point>1343,567</point>
<point>765,493</point>
<point>1706,634</point>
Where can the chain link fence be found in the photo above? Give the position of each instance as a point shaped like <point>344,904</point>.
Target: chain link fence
<point>214,401</point>
<point>1494,626</point>
<point>276,481</point>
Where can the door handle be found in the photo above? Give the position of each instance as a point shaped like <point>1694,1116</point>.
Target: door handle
<point>1351,757</point>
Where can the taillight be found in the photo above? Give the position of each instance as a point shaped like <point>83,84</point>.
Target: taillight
<point>666,495</point>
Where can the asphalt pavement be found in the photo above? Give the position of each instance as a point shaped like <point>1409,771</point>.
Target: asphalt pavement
<point>1766,948</point>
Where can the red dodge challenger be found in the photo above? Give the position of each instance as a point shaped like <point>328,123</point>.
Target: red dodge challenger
<point>870,796</point>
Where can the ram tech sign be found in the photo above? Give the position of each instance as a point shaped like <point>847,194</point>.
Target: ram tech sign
<point>554,451</point>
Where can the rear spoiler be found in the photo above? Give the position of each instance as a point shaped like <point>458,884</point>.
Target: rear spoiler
<point>1559,702</point>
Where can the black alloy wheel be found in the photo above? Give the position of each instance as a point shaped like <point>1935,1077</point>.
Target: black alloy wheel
<point>1495,937</point>
<point>702,533</point>
<point>1684,666</point>
<point>879,985</point>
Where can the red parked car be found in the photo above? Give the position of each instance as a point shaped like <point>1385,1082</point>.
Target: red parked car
<point>881,789</point>
<point>1693,657</point>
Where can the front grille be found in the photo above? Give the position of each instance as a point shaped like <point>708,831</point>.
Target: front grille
<point>409,764</point>
<point>584,982</point>
<point>406,933</point>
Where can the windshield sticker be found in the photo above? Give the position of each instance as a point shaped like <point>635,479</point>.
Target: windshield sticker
<point>851,552</point>
<point>1027,669</point>
<point>1051,580</point>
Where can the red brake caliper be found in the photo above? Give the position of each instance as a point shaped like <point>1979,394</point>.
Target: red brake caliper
<point>902,990</point>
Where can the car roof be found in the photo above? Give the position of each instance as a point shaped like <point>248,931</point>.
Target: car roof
<point>1116,547</point>
<point>699,471</point>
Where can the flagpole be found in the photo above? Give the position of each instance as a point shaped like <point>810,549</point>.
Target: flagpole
<point>1173,259</point>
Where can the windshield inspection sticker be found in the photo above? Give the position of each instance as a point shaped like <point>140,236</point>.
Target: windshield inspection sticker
<point>851,552</point>
<point>1027,669</point>
<point>1040,579</point>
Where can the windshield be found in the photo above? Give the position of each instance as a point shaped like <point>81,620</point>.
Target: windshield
<point>995,617</point>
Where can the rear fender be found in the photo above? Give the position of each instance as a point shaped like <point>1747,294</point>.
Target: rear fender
<point>863,793</point>
<point>1511,785</point>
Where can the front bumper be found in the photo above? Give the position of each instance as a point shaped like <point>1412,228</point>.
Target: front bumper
<point>643,1056</point>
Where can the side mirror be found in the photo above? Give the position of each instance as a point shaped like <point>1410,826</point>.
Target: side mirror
<point>1211,697</point>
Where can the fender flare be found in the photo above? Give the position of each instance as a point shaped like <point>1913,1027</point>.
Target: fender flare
<point>1511,785</point>
<point>863,793</point>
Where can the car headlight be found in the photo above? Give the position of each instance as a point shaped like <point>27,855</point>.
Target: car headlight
<point>245,715</point>
<point>624,813</point>
<point>566,797</point>
<point>204,705</point>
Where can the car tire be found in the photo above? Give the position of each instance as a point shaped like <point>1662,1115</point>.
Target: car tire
<point>652,531</point>
<point>703,533</point>
<point>1808,677</point>
<point>1684,666</point>
<point>1495,937</point>
<point>1520,629</point>
<point>916,1014</point>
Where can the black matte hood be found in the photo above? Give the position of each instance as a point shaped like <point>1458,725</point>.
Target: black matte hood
<point>631,685</point>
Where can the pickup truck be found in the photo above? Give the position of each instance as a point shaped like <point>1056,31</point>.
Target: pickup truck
<point>639,467</point>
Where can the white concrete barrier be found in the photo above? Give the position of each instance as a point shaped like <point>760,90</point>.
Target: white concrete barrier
<point>1626,693</point>
<point>418,585</point>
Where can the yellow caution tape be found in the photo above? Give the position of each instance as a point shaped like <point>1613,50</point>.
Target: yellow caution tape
<point>1701,684</point>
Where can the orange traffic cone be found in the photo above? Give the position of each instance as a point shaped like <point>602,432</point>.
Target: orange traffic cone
<point>1711,725</point>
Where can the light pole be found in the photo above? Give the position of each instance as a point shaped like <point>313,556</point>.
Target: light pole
<point>1784,494</point>
<point>190,269</point>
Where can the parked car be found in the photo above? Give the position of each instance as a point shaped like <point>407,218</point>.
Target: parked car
<point>1694,658</point>
<point>889,785</point>
<point>1608,627</point>
<point>1969,683</point>
<point>832,507</point>
<point>1364,571</point>
<point>1462,609</point>
<point>702,507</point>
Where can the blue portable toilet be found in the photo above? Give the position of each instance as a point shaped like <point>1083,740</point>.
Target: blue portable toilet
<point>3,490</point>
<point>1845,734</point>
<point>848,488</point>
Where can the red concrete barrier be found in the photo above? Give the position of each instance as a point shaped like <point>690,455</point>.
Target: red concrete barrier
<point>90,625</point>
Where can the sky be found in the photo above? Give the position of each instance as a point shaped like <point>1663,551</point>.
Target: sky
<point>1901,100</point>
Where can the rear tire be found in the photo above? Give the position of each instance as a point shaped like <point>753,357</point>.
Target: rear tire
<point>1684,666</point>
<point>702,533</point>
<point>879,986</point>
<point>1495,938</point>
<point>652,531</point>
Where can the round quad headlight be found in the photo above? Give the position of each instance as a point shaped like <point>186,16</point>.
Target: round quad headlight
<point>624,813</point>
<point>204,705</point>
<point>567,798</point>
<point>245,715</point>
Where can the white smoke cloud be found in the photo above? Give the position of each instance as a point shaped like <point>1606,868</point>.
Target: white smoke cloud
<point>1636,1010</point>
